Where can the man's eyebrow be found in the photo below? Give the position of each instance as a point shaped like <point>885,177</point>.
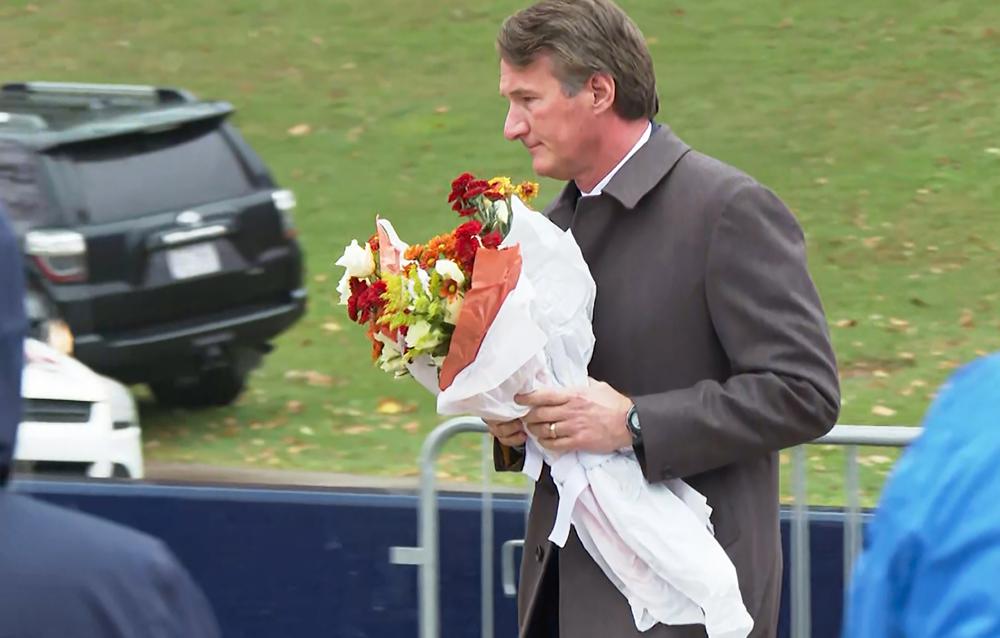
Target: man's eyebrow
<point>518,92</point>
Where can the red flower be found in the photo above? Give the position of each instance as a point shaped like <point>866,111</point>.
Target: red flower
<point>475,189</point>
<point>467,212</point>
<point>467,243</point>
<point>493,195</point>
<point>469,228</point>
<point>492,240</point>
<point>366,301</point>
<point>358,289</point>
<point>458,186</point>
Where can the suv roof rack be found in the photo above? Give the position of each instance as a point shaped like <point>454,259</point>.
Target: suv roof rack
<point>153,94</point>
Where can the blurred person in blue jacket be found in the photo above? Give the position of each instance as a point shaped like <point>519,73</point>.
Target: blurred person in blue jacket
<point>931,567</point>
<point>63,573</point>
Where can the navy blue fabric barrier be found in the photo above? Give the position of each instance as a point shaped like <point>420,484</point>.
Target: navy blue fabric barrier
<point>280,562</point>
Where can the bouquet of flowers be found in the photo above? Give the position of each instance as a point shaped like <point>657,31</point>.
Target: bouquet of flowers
<point>501,306</point>
<point>410,297</point>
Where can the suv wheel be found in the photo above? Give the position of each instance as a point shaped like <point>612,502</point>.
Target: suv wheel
<point>218,386</point>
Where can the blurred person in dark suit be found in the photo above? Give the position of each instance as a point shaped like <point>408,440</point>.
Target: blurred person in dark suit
<point>67,574</point>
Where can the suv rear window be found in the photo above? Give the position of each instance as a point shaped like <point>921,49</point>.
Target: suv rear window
<point>124,177</point>
<point>19,187</point>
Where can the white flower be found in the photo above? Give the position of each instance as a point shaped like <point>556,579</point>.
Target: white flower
<point>420,336</point>
<point>449,270</point>
<point>501,211</point>
<point>344,288</point>
<point>358,261</point>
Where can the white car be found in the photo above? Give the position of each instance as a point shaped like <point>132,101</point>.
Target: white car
<point>74,416</point>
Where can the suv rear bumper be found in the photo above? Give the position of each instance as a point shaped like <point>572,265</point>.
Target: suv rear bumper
<point>166,350</point>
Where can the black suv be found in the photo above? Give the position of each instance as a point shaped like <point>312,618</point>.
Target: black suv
<point>154,238</point>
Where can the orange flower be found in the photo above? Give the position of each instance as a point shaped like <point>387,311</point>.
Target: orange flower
<point>413,252</point>
<point>449,288</point>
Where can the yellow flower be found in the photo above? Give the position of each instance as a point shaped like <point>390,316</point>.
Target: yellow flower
<point>526,191</point>
<point>502,185</point>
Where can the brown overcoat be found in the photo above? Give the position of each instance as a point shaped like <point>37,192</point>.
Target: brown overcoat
<point>707,318</point>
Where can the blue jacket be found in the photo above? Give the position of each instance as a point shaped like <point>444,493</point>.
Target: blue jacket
<point>932,565</point>
<point>63,573</point>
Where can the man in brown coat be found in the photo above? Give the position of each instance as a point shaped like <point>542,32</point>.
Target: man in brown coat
<point>712,349</point>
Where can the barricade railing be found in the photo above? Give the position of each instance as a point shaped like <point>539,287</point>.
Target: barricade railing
<point>426,554</point>
<point>851,437</point>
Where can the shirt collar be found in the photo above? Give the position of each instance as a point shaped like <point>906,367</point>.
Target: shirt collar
<point>597,190</point>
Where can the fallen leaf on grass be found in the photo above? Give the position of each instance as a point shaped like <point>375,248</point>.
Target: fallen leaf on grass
<point>411,426</point>
<point>357,429</point>
<point>881,410</point>
<point>876,458</point>
<point>967,319</point>
<point>306,430</point>
<point>846,323</point>
<point>311,377</point>
<point>392,406</point>
<point>299,130</point>
<point>331,326</point>
<point>442,109</point>
<point>294,407</point>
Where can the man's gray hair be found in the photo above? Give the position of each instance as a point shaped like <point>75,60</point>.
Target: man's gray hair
<point>581,38</point>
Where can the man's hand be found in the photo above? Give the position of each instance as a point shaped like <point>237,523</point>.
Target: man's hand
<point>509,433</point>
<point>591,419</point>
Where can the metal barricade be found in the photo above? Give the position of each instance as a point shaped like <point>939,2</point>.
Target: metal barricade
<point>426,554</point>
<point>852,437</point>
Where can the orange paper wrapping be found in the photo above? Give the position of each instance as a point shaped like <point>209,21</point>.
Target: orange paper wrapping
<point>494,276</point>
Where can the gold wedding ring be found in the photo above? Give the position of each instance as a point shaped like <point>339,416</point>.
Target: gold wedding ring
<point>552,430</point>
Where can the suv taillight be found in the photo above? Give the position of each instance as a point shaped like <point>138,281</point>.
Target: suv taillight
<point>60,254</point>
<point>284,201</point>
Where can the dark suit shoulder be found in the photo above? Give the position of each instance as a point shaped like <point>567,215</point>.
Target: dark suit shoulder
<point>74,537</point>
<point>69,573</point>
<point>718,181</point>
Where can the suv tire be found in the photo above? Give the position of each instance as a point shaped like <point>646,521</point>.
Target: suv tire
<point>215,387</point>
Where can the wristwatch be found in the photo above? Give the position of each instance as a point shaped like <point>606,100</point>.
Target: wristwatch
<point>632,422</point>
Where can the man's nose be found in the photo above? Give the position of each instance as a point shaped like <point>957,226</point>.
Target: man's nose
<point>514,126</point>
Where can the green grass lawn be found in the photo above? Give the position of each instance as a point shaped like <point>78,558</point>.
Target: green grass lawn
<point>878,122</point>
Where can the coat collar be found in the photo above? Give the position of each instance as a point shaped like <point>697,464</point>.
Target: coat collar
<point>638,176</point>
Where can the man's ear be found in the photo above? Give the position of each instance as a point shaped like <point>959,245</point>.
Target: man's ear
<point>602,86</point>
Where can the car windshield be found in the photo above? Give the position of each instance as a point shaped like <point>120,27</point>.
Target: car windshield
<point>128,176</point>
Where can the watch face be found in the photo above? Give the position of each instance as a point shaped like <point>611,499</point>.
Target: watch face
<point>633,419</point>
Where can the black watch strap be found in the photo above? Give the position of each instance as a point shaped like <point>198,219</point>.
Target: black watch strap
<point>634,428</point>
